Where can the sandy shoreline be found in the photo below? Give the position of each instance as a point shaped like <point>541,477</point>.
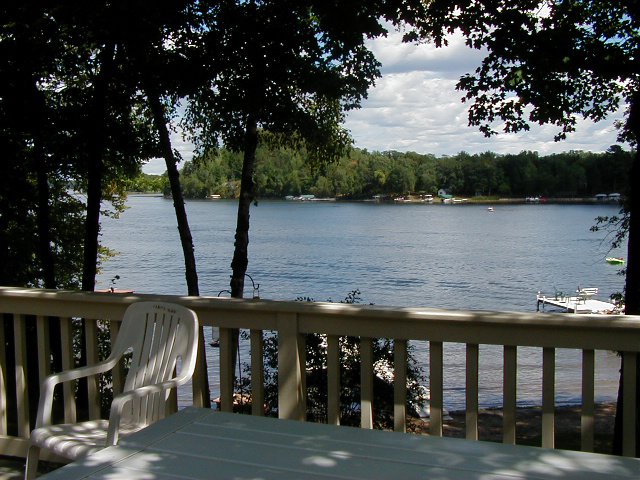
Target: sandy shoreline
<point>529,426</point>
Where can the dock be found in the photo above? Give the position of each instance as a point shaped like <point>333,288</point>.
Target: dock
<point>582,302</point>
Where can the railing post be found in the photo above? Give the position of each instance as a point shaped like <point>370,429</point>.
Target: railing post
<point>91,341</point>
<point>68,359</point>
<point>22,398</point>
<point>333,379</point>
<point>366,382</point>
<point>257,373</point>
<point>630,362</point>
<point>44,348</point>
<point>3,378</point>
<point>226,370</point>
<point>587,418</point>
<point>199,378</point>
<point>509,394</point>
<point>436,372</point>
<point>471,414</point>
<point>548,397</point>
<point>400,385</point>
<point>302,365</point>
<point>290,368</point>
<point>117,374</point>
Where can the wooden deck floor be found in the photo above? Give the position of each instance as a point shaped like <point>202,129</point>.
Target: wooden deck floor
<point>12,468</point>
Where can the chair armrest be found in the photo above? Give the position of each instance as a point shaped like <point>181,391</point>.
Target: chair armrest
<point>121,400</point>
<point>48,386</point>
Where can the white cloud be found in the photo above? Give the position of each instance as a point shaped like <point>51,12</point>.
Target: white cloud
<point>415,106</point>
<point>449,62</point>
<point>157,166</point>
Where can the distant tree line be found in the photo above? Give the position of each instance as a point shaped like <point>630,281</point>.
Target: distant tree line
<point>362,174</point>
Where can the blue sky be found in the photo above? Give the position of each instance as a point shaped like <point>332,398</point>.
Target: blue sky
<point>415,107</point>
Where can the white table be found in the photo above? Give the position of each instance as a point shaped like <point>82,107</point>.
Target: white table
<point>204,444</point>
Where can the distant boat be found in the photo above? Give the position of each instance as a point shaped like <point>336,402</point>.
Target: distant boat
<point>114,290</point>
<point>308,198</point>
<point>615,260</point>
<point>490,209</point>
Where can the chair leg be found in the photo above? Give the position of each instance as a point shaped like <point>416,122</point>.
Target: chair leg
<point>31,468</point>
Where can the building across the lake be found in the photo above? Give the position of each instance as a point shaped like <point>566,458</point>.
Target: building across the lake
<point>611,197</point>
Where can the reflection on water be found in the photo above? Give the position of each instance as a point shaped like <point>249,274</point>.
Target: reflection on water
<point>405,255</point>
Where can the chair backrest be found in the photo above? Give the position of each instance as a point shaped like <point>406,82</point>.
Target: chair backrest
<point>158,334</point>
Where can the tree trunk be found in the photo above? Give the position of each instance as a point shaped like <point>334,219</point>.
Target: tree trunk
<point>43,218</point>
<point>240,260</point>
<point>35,125</point>
<point>186,239</point>
<point>201,398</point>
<point>95,150</point>
<point>37,111</point>
<point>632,286</point>
<point>95,147</point>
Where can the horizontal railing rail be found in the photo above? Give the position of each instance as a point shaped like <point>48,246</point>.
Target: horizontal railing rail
<point>26,312</point>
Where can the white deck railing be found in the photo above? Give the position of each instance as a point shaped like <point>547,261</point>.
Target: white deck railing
<point>291,320</point>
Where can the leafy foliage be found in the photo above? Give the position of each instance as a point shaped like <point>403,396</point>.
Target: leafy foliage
<point>361,174</point>
<point>48,121</point>
<point>146,183</point>
<point>316,381</point>
<point>19,252</point>
<point>616,226</point>
<point>546,62</point>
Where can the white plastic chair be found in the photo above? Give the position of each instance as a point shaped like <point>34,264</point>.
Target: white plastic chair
<point>158,334</point>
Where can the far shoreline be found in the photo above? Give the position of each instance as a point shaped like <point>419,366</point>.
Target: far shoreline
<point>416,200</point>
<point>506,201</point>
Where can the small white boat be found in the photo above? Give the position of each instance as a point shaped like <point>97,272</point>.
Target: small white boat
<point>490,209</point>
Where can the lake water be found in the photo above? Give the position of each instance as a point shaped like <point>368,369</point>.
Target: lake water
<point>442,256</point>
